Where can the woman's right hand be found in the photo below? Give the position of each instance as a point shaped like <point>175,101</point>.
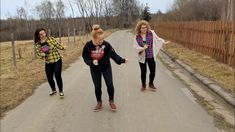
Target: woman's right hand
<point>95,62</point>
<point>145,47</point>
<point>43,54</point>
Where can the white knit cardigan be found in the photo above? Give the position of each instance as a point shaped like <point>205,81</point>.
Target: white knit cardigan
<point>157,45</point>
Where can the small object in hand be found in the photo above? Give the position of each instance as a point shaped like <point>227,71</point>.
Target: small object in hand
<point>95,62</point>
<point>45,47</point>
<point>43,54</point>
<point>145,46</point>
<point>126,60</point>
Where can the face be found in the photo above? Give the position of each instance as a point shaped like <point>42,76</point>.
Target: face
<point>42,34</point>
<point>143,29</point>
<point>99,40</point>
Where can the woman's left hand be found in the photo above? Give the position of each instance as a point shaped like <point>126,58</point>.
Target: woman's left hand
<point>166,42</point>
<point>126,60</point>
<point>65,47</point>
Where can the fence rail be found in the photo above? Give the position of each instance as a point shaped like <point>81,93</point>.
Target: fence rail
<point>73,35</point>
<point>215,39</point>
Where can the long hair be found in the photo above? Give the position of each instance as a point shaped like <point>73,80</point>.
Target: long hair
<point>36,34</point>
<point>139,24</point>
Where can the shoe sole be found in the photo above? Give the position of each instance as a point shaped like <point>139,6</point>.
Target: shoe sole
<point>113,109</point>
<point>142,90</point>
<point>98,110</point>
<point>52,94</point>
<point>153,90</point>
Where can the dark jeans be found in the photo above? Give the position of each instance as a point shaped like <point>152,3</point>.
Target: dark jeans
<point>54,69</point>
<point>96,77</point>
<point>152,66</point>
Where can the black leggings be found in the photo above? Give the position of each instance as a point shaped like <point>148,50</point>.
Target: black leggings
<point>96,77</point>
<point>54,69</point>
<point>143,68</point>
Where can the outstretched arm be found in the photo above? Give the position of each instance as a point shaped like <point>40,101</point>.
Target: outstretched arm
<point>117,59</point>
<point>158,38</point>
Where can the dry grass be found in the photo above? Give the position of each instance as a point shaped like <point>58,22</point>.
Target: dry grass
<point>205,65</point>
<point>17,84</point>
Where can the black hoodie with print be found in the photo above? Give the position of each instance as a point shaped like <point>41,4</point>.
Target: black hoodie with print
<point>102,53</point>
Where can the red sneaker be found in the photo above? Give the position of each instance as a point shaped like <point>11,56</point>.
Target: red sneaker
<point>112,105</point>
<point>98,107</point>
<point>143,87</point>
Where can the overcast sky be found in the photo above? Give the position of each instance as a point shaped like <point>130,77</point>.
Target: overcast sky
<point>8,7</point>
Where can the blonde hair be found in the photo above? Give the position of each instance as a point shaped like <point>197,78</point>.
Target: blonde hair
<point>96,30</point>
<point>139,24</point>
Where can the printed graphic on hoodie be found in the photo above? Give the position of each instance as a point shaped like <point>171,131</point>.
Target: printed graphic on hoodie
<point>98,53</point>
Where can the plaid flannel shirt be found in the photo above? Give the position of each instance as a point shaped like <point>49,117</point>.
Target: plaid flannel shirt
<point>53,55</point>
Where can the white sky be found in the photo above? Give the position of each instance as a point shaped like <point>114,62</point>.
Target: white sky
<point>8,7</point>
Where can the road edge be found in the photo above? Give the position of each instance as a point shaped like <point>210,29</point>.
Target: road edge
<point>212,85</point>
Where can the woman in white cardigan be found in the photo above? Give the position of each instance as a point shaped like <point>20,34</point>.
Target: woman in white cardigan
<point>147,44</point>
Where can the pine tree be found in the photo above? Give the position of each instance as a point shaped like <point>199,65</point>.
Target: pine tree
<point>146,13</point>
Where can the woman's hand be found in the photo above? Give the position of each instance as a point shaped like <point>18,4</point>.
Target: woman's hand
<point>65,47</point>
<point>166,42</point>
<point>95,62</point>
<point>43,54</point>
<point>126,61</point>
<point>145,46</point>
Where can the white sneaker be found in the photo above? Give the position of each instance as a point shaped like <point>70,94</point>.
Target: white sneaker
<point>52,93</point>
<point>61,94</point>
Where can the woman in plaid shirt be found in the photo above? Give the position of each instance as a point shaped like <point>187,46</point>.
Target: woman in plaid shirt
<point>47,49</point>
<point>147,44</point>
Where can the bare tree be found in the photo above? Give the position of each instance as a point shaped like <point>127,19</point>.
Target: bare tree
<point>21,15</point>
<point>107,12</point>
<point>81,5</point>
<point>125,9</point>
<point>59,12</point>
<point>194,10</point>
<point>98,5</point>
<point>230,10</point>
<point>46,12</point>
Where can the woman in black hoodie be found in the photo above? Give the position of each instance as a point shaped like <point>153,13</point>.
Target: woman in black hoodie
<point>97,54</point>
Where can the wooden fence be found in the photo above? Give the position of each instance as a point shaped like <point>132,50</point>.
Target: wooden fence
<point>13,44</point>
<point>213,38</point>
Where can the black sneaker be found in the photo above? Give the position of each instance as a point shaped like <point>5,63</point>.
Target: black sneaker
<point>61,94</point>
<point>52,93</point>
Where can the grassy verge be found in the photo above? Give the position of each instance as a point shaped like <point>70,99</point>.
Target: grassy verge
<point>220,73</point>
<point>211,106</point>
<point>19,83</point>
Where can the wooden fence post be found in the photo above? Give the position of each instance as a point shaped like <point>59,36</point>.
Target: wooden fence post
<point>74,35</point>
<point>13,49</point>
<point>68,36</point>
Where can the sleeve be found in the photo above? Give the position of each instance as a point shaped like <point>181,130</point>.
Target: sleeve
<point>157,37</point>
<point>38,50</point>
<point>117,59</point>
<point>57,45</point>
<point>86,57</point>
